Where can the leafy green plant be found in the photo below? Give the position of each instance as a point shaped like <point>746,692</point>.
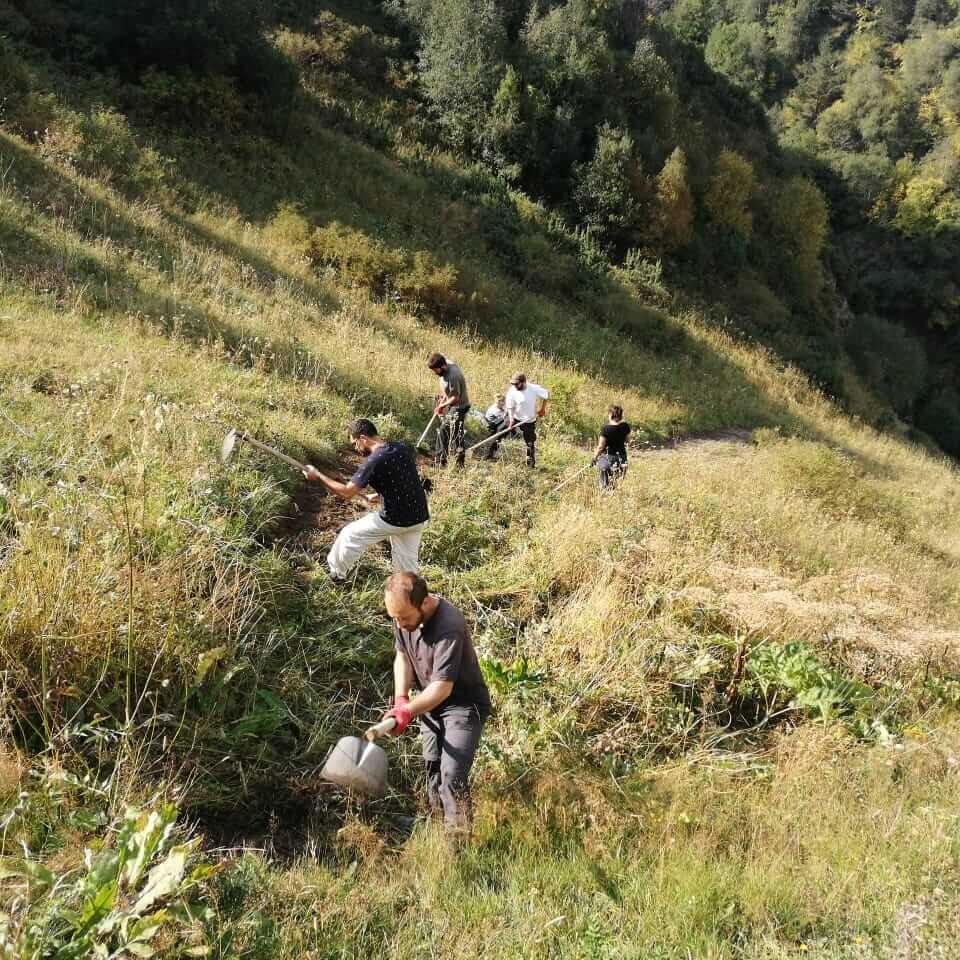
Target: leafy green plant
<point>791,676</point>
<point>643,274</point>
<point>508,677</point>
<point>117,905</point>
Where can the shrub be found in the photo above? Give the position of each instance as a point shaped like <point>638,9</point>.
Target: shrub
<point>891,361</point>
<point>14,77</point>
<point>673,204</point>
<point>800,222</point>
<point>741,51</point>
<point>22,109</point>
<point>460,63</point>
<point>418,281</point>
<point>31,116</point>
<point>611,190</point>
<point>336,45</point>
<point>545,268</point>
<point>565,406</point>
<point>642,274</point>
<point>758,303</point>
<point>940,417</point>
<point>430,285</point>
<point>212,100</point>
<point>729,191</point>
<point>15,90</point>
<point>62,139</point>
<point>108,148</point>
<point>290,228</point>
<point>358,259</point>
<point>148,174</point>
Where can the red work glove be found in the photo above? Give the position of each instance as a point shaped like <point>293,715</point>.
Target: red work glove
<point>438,411</point>
<point>401,713</point>
<point>542,412</point>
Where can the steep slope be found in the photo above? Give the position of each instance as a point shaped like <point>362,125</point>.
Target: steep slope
<point>726,694</point>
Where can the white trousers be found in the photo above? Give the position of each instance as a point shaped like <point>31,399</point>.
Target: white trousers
<point>360,535</point>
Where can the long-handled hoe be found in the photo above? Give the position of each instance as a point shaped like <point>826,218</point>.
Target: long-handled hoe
<point>234,437</point>
<point>494,436</point>
<point>579,473</point>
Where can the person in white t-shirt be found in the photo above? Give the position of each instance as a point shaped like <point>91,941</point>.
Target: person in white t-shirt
<point>525,403</point>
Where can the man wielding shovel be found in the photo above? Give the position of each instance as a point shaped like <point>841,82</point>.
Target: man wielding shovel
<point>391,470</point>
<point>434,653</point>
<point>452,406</point>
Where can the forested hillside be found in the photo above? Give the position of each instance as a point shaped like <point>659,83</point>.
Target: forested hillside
<point>726,694</point>
<point>795,165</point>
<point>792,168</point>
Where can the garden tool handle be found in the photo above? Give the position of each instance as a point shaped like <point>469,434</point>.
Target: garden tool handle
<point>296,464</point>
<point>426,429</point>
<point>500,433</point>
<point>380,729</point>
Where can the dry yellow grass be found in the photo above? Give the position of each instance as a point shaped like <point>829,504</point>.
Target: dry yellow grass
<point>134,333</point>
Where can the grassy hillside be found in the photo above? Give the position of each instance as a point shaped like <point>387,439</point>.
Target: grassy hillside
<point>726,696</point>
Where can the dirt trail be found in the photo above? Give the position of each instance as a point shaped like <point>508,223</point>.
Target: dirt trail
<point>314,514</point>
<point>703,442</point>
<point>312,511</point>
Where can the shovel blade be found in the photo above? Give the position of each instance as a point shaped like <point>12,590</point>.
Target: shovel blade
<point>357,765</point>
<point>229,442</point>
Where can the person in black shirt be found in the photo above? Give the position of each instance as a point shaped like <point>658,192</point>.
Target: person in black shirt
<point>434,653</point>
<point>390,468</point>
<point>610,456</point>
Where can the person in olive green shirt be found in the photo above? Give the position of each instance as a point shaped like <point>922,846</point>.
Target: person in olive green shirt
<point>452,406</point>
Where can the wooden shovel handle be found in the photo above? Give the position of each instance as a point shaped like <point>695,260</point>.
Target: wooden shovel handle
<point>380,729</point>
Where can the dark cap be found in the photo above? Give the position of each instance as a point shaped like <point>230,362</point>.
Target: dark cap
<point>361,427</point>
<point>436,360</point>
<point>518,378</point>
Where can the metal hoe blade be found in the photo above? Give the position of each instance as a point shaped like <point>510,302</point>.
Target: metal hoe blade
<point>229,442</point>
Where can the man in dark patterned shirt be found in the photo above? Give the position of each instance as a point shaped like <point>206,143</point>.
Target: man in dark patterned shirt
<point>390,468</point>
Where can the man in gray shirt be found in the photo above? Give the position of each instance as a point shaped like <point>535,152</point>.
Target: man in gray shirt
<point>434,652</point>
<point>452,406</point>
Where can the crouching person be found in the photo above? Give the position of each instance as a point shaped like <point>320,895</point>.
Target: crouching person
<point>390,468</point>
<point>435,654</point>
<point>496,420</point>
